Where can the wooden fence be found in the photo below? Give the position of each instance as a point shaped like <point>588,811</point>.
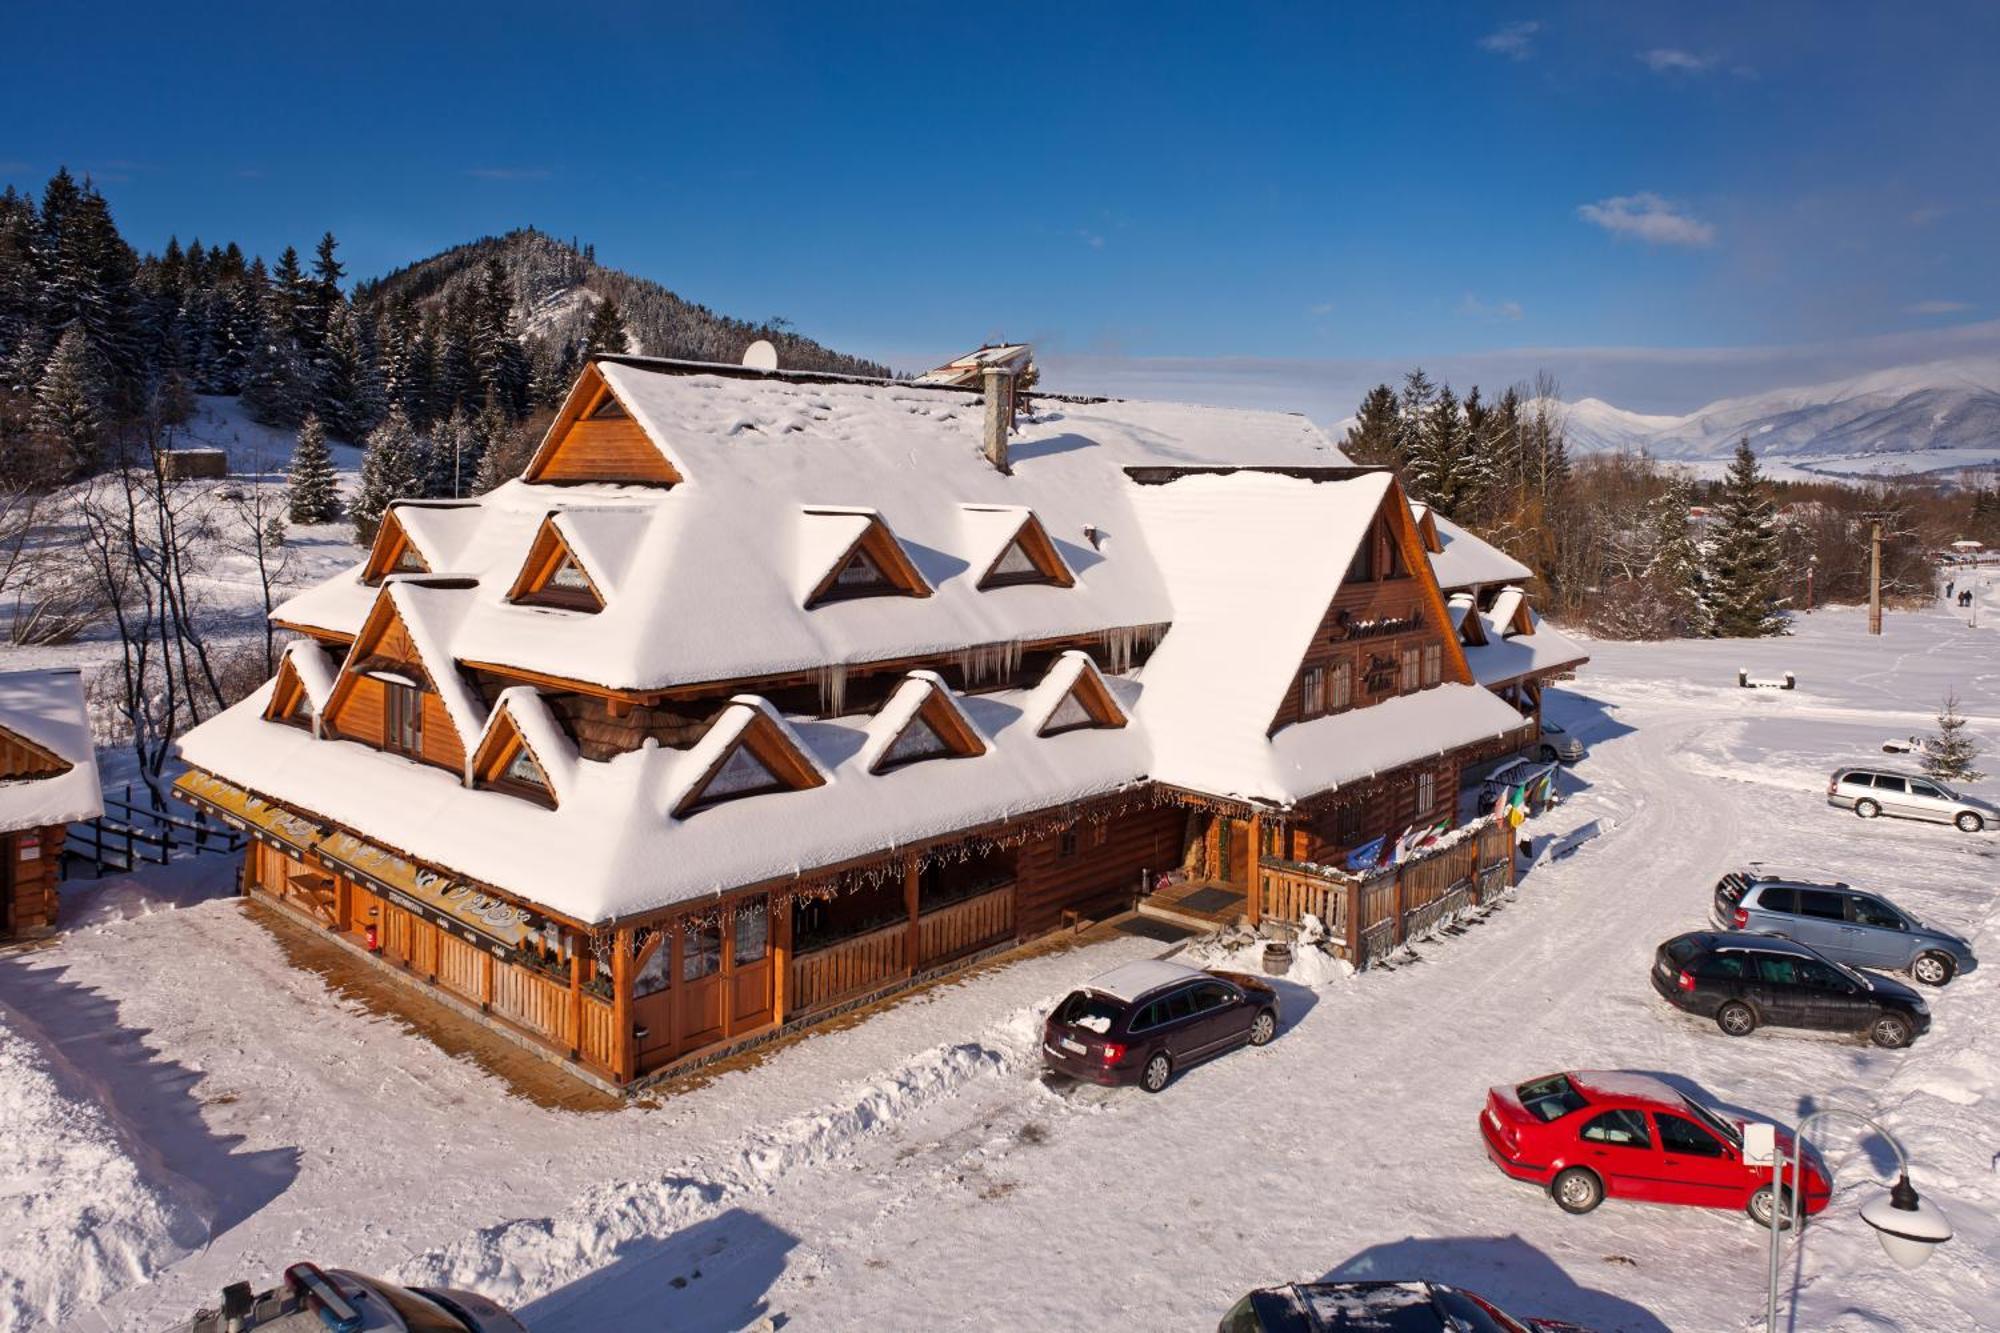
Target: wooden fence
<point>964,926</point>
<point>847,967</point>
<point>1368,918</point>
<point>128,834</point>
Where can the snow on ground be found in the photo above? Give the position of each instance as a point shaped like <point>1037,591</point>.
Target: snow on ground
<point>912,1170</point>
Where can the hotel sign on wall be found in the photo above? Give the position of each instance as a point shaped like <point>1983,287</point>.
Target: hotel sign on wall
<point>1347,628</point>
<point>1380,675</point>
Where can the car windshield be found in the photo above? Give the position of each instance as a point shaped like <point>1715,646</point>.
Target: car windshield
<point>1094,1013</point>
<point>1716,1123</point>
<point>1551,1098</point>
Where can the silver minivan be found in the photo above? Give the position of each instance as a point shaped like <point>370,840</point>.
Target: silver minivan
<point>1869,792</point>
<point>1843,923</point>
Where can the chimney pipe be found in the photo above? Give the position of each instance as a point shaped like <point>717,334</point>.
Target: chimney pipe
<point>999,415</point>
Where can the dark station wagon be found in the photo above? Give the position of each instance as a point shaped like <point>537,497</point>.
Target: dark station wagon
<point>1744,982</point>
<point>1141,1022</point>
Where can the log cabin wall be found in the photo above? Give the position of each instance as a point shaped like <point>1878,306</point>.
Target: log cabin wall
<point>1389,807</point>
<point>1094,867</point>
<point>28,875</point>
<point>1374,663</point>
<point>361,716</point>
<point>616,451</point>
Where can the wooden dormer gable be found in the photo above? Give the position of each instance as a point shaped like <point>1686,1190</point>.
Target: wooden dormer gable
<point>921,720</point>
<point>389,697</point>
<point>1471,625</point>
<point>1083,702</point>
<point>289,701</point>
<point>393,552</point>
<point>871,564</point>
<point>554,576</point>
<point>595,438</point>
<point>1388,604</point>
<point>1427,529</point>
<point>748,752</point>
<point>506,760</point>
<point>1027,556</point>
<point>24,760</point>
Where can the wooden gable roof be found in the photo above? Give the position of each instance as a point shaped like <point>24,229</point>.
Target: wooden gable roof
<point>1025,553</point>
<point>750,750</point>
<point>22,759</point>
<point>869,561</point>
<point>395,642</point>
<point>595,438</point>
<point>524,750</point>
<point>554,575</point>
<point>1073,696</point>
<point>921,720</point>
<point>393,552</point>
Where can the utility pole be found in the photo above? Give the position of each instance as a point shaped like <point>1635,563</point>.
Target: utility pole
<point>1875,571</point>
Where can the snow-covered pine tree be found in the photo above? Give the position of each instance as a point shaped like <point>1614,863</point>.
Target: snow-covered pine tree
<point>394,467</point>
<point>451,471</point>
<point>314,495</point>
<point>607,332</point>
<point>1413,414</point>
<point>1371,440</point>
<point>68,412</point>
<point>1446,468</point>
<point>348,401</point>
<point>1675,571</point>
<point>1951,753</point>
<point>1741,569</point>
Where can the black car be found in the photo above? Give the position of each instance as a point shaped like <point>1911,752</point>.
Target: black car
<point>1141,1022</point>
<point>1746,981</point>
<point>1377,1307</point>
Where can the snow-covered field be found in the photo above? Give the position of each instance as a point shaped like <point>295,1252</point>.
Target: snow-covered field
<point>911,1171</point>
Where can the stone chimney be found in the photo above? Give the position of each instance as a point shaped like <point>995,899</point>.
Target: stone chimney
<point>999,415</point>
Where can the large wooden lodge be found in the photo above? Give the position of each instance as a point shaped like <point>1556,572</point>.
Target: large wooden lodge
<point>761,694</point>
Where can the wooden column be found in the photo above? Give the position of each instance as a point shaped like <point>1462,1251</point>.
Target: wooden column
<point>622,1050</point>
<point>575,996</point>
<point>913,937</point>
<point>726,961</point>
<point>1254,902</point>
<point>1396,930</point>
<point>1355,899</point>
<point>486,979</point>
<point>781,956</point>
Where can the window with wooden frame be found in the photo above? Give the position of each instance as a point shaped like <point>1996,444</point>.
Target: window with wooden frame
<point>554,577</point>
<point>25,759</point>
<point>1393,564</point>
<point>1361,569</point>
<point>1433,664</point>
<point>701,950</point>
<point>1412,673</point>
<point>402,718</point>
<point>874,565</point>
<point>1312,692</point>
<point>937,730</point>
<point>761,759</point>
<point>1066,844</point>
<point>752,929</point>
<point>1340,692</point>
<point>1087,703</point>
<point>1028,557</point>
<point>1426,792</point>
<point>607,408</point>
<point>1348,823</point>
<point>392,552</point>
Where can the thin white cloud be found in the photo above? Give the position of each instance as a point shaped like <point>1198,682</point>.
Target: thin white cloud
<point>1936,307</point>
<point>508,173</point>
<point>1649,218</point>
<point>1475,308</point>
<point>1090,238</point>
<point>1673,60</point>
<point>1320,311</point>
<point>1516,41</point>
<point>1923,217</point>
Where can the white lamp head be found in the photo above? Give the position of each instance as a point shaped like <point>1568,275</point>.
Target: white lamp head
<point>1908,1227</point>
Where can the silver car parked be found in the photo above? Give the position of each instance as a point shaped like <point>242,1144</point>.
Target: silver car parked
<point>1869,792</point>
<point>1842,923</point>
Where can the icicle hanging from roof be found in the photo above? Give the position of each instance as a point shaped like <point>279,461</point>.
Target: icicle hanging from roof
<point>994,662</point>
<point>833,689</point>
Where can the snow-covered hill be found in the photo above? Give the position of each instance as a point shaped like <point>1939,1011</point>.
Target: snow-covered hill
<point>1929,417</point>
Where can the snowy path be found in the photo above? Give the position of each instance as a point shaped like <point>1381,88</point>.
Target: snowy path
<point>912,1171</point>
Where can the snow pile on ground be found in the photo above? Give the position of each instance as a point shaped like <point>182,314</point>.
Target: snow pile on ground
<point>79,1220</point>
<point>1234,949</point>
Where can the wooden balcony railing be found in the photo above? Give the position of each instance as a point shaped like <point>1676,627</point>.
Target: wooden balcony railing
<point>961,927</point>
<point>847,967</point>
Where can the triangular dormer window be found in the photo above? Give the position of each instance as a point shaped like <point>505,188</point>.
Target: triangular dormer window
<point>859,575</point>
<point>566,575</point>
<point>1069,714</point>
<point>1013,566</point>
<point>1087,702</point>
<point>409,562</point>
<point>523,769</point>
<point>850,553</point>
<point>609,409</point>
<point>928,722</point>
<point>554,577</point>
<point>918,741</point>
<point>1028,557</point>
<point>762,756</point>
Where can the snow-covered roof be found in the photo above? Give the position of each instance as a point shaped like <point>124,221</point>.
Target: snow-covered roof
<point>46,709</point>
<point>1508,654</point>
<point>1128,981</point>
<point>1468,562</point>
<point>316,670</point>
<point>613,848</point>
<point>722,554</point>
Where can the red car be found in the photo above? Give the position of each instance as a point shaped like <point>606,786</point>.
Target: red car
<point>1585,1136</point>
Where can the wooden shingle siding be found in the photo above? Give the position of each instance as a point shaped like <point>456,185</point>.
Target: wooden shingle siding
<point>28,887</point>
<point>607,451</point>
<point>361,714</point>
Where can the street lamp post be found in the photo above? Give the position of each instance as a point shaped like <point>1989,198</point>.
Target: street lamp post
<point>1909,1228</point>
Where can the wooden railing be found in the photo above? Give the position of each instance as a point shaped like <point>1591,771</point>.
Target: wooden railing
<point>538,1003</point>
<point>1293,891</point>
<point>461,968</point>
<point>847,967</point>
<point>965,925</point>
<point>598,1044</point>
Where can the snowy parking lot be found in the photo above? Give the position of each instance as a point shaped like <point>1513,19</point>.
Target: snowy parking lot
<point>913,1171</point>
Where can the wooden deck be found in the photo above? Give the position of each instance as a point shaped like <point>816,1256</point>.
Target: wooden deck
<point>1200,904</point>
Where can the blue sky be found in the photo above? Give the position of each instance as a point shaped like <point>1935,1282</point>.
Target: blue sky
<point>1274,203</point>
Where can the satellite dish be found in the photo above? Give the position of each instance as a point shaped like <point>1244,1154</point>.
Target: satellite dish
<point>760,355</point>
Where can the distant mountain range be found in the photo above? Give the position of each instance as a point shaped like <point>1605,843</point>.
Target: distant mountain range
<point>1922,418</point>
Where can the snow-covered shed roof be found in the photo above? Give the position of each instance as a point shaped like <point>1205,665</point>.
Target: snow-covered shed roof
<point>45,709</point>
<point>1503,660</point>
<point>1468,562</point>
<point>769,466</point>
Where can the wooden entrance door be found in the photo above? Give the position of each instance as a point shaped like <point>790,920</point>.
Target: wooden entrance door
<point>654,1040</point>
<point>750,967</point>
<point>703,989</point>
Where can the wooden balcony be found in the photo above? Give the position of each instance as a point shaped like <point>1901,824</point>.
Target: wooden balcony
<point>841,969</point>
<point>964,927</point>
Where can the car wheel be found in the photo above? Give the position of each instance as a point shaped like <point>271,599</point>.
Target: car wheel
<point>1890,1031</point>
<point>1866,808</point>
<point>1968,822</point>
<point>1759,1207</point>
<point>1263,1028</point>
<point>1549,755</point>
<point>1933,969</point>
<point>1577,1190</point>
<point>1736,1018</point>
<point>1159,1071</point>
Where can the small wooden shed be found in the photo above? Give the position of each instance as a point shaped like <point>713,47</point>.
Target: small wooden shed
<point>48,778</point>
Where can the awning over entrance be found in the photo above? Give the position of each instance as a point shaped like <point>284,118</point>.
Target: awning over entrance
<point>478,917</point>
